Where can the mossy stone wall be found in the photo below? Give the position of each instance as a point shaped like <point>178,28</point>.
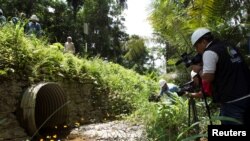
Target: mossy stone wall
<point>85,106</point>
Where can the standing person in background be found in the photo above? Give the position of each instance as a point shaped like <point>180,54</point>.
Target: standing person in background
<point>2,18</point>
<point>226,70</point>
<point>20,20</point>
<point>69,46</point>
<point>22,16</point>
<point>33,27</point>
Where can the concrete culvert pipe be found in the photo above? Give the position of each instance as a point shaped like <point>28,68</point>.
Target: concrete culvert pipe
<point>43,106</point>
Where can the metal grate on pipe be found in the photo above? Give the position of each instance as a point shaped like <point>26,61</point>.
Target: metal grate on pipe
<point>43,106</point>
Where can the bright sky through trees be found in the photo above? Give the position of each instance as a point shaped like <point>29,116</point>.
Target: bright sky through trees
<point>136,23</point>
<point>136,18</point>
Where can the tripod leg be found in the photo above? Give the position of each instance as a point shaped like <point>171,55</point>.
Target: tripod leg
<point>189,112</point>
<point>195,116</point>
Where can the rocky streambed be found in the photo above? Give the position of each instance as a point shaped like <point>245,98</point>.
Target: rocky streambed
<point>110,131</point>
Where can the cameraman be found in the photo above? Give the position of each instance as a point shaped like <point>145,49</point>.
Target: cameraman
<point>225,69</point>
<point>167,88</point>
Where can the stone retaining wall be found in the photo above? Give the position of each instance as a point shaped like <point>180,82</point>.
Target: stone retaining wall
<point>84,107</point>
<point>9,98</point>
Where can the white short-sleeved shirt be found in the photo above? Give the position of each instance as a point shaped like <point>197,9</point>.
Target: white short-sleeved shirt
<point>69,47</point>
<point>210,59</point>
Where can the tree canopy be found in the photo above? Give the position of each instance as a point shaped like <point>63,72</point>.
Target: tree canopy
<point>174,21</point>
<point>96,26</point>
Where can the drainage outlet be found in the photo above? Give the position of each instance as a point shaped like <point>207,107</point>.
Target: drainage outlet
<point>43,106</point>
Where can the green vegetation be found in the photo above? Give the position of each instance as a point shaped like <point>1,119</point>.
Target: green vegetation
<point>33,60</point>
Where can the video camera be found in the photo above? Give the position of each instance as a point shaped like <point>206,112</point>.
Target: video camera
<point>187,87</point>
<point>154,98</point>
<point>188,60</point>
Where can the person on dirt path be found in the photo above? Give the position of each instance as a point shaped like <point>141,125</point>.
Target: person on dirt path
<point>229,75</point>
<point>69,46</point>
<point>33,27</point>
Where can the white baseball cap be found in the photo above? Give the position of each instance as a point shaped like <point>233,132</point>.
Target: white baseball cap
<point>162,82</point>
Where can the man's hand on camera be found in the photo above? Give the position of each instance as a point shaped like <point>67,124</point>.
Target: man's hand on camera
<point>158,96</point>
<point>195,95</point>
<point>196,68</point>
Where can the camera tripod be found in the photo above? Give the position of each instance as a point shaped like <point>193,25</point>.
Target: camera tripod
<point>192,104</point>
<point>192,109</point>
<point>204,97</point>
